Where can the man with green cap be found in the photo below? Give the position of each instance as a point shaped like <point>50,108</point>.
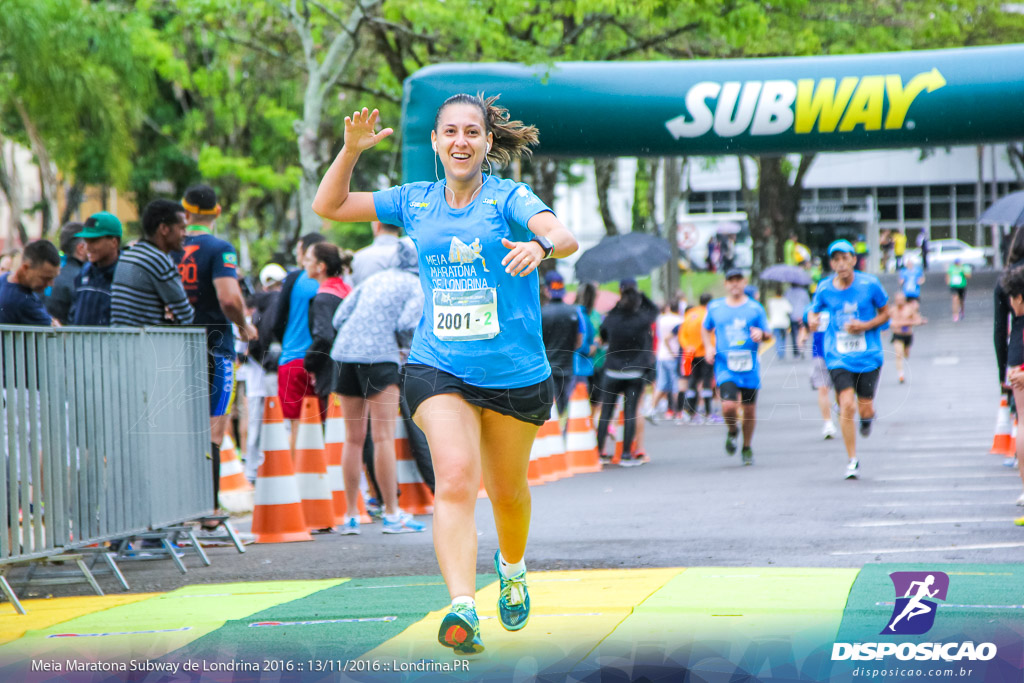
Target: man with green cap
<point>91,304</point>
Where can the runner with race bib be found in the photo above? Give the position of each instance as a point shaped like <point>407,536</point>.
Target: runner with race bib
<point>477,381</point>
<point>857,308</point>
<point>740,325</point>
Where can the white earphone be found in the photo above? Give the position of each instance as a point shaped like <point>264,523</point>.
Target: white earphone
<point>434,145</point>
<point>488,148</point>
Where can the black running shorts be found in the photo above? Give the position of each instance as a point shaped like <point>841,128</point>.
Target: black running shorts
<point>364,380</point>
<point>530,404</point>
<point>730,392</point>
<point>863,383</point>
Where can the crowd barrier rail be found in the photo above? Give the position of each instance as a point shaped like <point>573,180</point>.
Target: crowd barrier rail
<point>105,434</point>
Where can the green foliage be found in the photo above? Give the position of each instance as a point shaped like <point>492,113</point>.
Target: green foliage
<point>76,70</point>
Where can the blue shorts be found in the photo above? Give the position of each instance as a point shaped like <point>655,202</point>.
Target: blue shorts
<point>221,373</point>
<point>668,376</point>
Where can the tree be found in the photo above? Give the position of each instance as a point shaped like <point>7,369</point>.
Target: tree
<point>70,73</point>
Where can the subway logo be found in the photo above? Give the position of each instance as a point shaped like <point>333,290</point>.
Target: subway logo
<point>827,105</point>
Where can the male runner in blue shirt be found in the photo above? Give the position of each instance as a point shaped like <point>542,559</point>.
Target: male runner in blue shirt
<point>856,304</point>
<point>740,325</point>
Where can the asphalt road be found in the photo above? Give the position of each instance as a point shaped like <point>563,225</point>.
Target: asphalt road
<point>929,490</point>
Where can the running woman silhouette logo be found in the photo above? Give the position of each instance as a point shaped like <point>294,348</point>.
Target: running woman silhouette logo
<point>914,613</point>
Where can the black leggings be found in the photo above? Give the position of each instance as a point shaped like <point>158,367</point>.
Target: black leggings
<point>607,396</point>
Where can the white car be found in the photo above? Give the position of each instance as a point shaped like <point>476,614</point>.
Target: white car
<point>942,254</point>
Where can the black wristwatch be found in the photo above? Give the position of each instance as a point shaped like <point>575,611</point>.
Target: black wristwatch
<point>545,244</point>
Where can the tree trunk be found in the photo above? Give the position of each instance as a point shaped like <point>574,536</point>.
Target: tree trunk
<point>72,200</point>
<point>778,205</point>
<point>47,169</point>
<point>672,174</point>
<point>1015,152</point>
<point>10,184</point>
<point>643,196</point>
<point>544,177</point>
<point>321,78</point>
<point>603,169</point>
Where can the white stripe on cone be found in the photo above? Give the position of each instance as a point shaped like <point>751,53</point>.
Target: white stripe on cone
<point>276,491</point>
<point>334,430</point>
<point>407,472</point>
<point>274,437</point>
<point>313,486</point>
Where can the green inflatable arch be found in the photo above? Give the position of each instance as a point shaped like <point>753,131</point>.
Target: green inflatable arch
<point>744,106</point>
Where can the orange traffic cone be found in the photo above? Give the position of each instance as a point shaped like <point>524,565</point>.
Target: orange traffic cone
<point>620,432</point>
<point>551,446</point>
<point>535,470</point>
<point>334,446</point>
<point>235,490</point>
<point>1001,440</point>
<point>277,515</point>
<point>414,494</point>
<point>311,468</point>
<point>581,439</point>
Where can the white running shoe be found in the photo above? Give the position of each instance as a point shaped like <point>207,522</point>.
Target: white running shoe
<point>853,469</point>
<point>1020,501</point>
<point>828,430</point>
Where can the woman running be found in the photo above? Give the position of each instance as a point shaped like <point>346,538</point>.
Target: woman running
<point>478,382</point>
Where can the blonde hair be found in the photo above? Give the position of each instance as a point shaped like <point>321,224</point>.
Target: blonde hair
<point>512,139</point>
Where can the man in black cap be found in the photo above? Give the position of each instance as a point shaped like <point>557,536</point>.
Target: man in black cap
<point>58,304</point>
<point>102,237</point>
<point>209,271</point>
<point>563,330</point>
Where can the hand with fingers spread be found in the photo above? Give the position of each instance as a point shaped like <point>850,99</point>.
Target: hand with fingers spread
<point>523,257</point>
<point>359,130</point>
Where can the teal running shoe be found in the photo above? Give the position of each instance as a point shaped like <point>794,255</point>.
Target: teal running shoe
<point>513,599</point>
<point>730,443</point>
<point>460,630</point>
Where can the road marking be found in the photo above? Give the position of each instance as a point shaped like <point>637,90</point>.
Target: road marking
<point>935,503</point>
<point>944,548</point>
<point>917,477</point>
<point>911,522</point>
<point>946,489</point>
<point>354,620</point>
<point>949,465</point>
<point>946,360</point>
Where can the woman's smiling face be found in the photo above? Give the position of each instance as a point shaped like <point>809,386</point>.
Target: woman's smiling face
<point>462,141</point>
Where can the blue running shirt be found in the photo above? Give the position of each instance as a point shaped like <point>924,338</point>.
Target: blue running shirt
<point>860,301</point>
<point>735,352</point>
<point>479,323</point>
<point>297,338</point>
<point>910,278</point>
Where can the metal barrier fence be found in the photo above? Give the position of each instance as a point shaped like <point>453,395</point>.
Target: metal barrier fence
<point>105,433</point>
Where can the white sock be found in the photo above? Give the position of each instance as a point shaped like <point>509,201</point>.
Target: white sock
<point>464,600</point>
<point>511,569</point>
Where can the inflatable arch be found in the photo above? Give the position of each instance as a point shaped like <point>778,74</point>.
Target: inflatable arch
<point>744,106</point>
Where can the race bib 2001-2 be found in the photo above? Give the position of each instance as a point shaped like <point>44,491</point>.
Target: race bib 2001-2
<point>466,314</point>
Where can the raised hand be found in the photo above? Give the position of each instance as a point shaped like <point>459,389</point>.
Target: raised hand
<point>359,130</point>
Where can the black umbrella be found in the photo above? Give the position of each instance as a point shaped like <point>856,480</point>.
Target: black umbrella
<point>1008,210</point>
<point>622,256</point>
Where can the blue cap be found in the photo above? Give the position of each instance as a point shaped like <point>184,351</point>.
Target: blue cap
<point>841,245</point>
<point>555,284</point>
<point>627,283</point>
<point>734,272</point>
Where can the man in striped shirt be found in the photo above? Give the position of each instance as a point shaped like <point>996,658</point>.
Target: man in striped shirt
<point>147,286</point>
